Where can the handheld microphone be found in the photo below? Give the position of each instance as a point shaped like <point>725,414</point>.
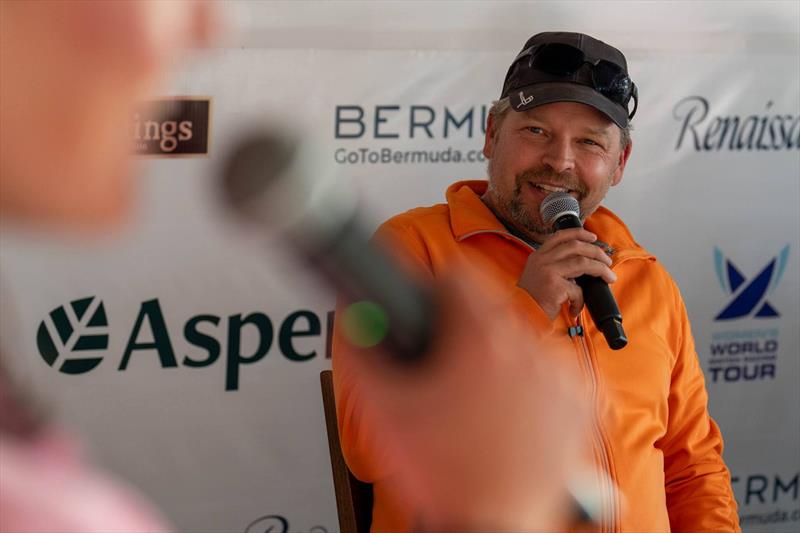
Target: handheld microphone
<point>562,211</point>
<point>275,183</point>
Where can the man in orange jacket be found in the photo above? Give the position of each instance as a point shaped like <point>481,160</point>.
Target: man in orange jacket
<point>562,124</point>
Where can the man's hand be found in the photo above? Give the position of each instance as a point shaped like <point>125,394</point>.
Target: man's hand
<point>549,273</point>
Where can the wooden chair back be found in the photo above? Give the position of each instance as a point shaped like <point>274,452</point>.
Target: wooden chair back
<point>353,497</point>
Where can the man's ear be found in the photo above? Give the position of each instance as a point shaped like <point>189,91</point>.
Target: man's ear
<point>488,140</point>
<point>623,160</point>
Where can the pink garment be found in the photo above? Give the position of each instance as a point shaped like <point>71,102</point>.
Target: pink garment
<point>47,486</point>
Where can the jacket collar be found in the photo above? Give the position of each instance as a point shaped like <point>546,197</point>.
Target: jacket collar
<point>470,216</point>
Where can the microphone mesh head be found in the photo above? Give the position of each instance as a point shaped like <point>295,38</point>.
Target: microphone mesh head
<point>556,204</point>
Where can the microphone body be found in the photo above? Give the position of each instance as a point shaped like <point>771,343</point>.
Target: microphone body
<point>403,312</point>
<point>272,184</point>
<point>596,294</point>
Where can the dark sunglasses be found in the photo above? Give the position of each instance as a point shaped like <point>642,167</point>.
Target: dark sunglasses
<point>608,78</point>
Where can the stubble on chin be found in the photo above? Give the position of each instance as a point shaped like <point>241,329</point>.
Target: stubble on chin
<point>512,209</point>
<point>525,217</point>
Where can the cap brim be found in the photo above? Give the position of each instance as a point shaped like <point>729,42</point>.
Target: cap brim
<point>549,92</point>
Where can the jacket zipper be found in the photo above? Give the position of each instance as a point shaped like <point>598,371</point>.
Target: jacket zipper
<point>606,479</point>
<point>607,490</point>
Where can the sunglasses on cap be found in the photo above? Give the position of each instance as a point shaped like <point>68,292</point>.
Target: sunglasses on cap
<point>609,79</point>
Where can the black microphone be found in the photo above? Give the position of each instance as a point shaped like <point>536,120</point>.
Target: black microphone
<point>276,183</point>
<point>562,211</point>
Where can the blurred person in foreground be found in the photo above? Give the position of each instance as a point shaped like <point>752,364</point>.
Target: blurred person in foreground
<point>562,124</point>
<point>71,75</point>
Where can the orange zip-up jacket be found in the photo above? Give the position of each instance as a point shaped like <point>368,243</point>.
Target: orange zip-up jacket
<point>653,435</point>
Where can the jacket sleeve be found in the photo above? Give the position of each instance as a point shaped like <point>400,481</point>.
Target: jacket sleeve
<point>361,446</point>
<point>697,482</point>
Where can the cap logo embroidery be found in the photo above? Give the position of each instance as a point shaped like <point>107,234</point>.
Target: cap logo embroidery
<point>523,100</point>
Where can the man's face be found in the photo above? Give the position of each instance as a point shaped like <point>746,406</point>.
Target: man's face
<point>559,146</point>
<point>70,74</point>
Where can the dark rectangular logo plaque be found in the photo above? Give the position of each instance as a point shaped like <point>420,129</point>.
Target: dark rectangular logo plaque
<point>177,126</point>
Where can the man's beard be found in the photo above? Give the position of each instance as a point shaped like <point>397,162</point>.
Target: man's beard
<point>524,217</point>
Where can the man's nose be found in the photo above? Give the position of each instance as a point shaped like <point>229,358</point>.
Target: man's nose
<point>559,155</point>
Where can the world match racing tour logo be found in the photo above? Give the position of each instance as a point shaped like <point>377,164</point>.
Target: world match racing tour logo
<point>746,354</point>
<point>74,339</point>
<point>752,295</point>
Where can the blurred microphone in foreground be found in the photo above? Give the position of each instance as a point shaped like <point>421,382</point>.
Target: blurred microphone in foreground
<point>272,182</point>
<point>449,373</point>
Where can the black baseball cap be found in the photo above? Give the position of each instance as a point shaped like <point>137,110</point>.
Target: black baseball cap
<point>571,67</point>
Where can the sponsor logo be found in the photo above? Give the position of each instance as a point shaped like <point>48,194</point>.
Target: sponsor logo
<point>386,155</point>
<point>746,353</point>
<point>75,338</point>
<point>411,134</point>
<point>749,296</point>
<point>409,122</point>
<point>767,498</point>
<point>523,100</point>
<point>704,131</point>
<point>275,524</point>
<point>172,127</point>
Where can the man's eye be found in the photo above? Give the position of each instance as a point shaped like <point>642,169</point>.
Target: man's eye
<point>591,142</point>
<point>535,129</point>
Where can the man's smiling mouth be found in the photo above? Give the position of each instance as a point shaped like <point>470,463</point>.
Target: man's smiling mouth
<point>551,188</point>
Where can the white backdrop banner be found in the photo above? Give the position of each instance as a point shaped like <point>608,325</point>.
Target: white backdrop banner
<point>188,354</point>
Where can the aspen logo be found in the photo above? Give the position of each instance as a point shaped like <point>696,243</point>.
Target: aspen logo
<point>71,336</point>
<point>74,339</point>
<point>172,127</point>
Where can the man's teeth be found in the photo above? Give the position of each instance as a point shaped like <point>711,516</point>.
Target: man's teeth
<point>550,188</point>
